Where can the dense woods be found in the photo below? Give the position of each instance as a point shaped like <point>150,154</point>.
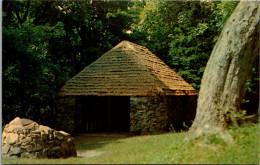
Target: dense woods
<point>45,43</point>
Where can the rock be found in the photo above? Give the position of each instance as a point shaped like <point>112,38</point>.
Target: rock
<point>16,121</point>
<point>144,110</point>
<point>25,155</point>
<point>38,131</point>
<point>44,129</point>
<point>26,122</point>
<point>140,107</point>
<point>33,148</point>
<point>32,135</point>
<point>64,133</point>
<point>17,144</point>
<point>15,151</point>
<point>11,138</point>
<point>44,136</point>
<point>69,139</point>
<point>3,137</point>
<point>31,127</point>
<point>60,135</point>
<point>35,137</point>
<point>27,147</point>
<point>21,137</point>
<point>15,128</point>
<point>27,139</point>
<point>5,148</point>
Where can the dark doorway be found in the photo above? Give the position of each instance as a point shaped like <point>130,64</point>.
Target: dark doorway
<point>102,114</point>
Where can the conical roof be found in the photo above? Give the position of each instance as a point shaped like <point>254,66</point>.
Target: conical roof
<point>127,69</point>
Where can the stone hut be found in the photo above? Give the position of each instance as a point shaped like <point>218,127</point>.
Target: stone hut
<point>126,89</point>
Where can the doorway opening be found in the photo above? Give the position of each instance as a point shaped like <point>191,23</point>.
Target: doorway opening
<point>102,114</point>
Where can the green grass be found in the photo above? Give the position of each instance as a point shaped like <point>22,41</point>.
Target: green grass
<point>169,148</point>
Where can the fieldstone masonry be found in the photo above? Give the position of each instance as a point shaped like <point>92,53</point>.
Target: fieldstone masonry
<point>157,114</point>
<point>26,138</point>
<point>148,115</point>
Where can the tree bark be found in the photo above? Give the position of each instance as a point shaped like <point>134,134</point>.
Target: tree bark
<point>223,82</point>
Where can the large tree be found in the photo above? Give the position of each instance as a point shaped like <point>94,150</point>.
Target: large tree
<point>223,83</point>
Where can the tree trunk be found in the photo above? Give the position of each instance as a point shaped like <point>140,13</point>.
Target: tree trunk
<point>223,82</point>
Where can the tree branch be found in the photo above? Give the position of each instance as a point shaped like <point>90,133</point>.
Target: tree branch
<point>27,11</point>
<point>22,20</point>
<point>18,16</point>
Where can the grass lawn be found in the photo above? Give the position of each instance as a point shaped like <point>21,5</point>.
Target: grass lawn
<point>165,148</point>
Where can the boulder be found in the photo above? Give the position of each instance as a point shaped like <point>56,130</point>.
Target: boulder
<point>26,138</point>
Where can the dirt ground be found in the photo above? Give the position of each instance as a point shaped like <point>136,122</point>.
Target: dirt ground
<point>92,141</point>
<point>97,137</point>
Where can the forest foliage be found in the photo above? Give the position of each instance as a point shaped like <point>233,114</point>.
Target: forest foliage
<point>45,43</point>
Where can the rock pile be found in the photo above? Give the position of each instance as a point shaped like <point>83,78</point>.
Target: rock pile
<point>26,138</point>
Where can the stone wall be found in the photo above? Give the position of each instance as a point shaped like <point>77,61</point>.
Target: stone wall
<point>66,113</point>
<point>148,115</point>
<point>157,114</point>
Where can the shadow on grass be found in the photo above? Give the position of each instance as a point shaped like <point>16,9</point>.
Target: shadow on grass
<point>97,140</point>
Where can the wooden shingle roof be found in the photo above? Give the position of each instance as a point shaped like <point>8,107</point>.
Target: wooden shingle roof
<point>127,69</point>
